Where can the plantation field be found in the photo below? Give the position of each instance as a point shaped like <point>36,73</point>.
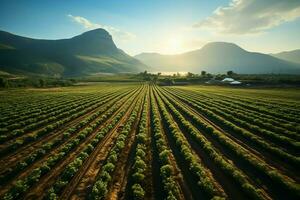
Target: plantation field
<point>141,141</point>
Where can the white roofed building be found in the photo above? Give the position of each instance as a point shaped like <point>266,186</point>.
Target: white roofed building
<point>235,83</point>
<point>228,80</point>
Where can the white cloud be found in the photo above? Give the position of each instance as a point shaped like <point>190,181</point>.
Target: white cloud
<point>116,33</point>
<point>251,16</point>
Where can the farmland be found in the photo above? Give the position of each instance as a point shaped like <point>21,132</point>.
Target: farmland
<point>143,141</point>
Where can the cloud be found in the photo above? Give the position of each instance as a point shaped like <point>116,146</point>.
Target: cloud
<point>250,16</point>
<point>116,33</point>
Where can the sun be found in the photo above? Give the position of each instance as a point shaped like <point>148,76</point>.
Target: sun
<point>174,44</point>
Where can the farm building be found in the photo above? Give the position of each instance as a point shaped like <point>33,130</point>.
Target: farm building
<point>228,80</point>
<point>235,83</point>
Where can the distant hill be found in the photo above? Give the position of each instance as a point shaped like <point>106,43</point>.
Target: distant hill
<point>292,56</point>
<point>91,52</point>
<point>219,57</point>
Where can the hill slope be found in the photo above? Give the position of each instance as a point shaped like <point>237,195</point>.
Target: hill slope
<point>292,56</point>
<point>219,57</point>
<point>91,52</point>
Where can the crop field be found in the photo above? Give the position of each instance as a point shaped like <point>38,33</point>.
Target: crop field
<point>143,141</point>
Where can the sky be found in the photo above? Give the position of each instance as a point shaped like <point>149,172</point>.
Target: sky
<point>162,26</point>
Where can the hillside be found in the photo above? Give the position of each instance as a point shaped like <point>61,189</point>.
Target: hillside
<point>292,56</point>
<point>91,52</point>
<point>219,57</point>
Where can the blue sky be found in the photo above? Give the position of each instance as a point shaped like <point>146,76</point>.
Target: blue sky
<point>168,26</point>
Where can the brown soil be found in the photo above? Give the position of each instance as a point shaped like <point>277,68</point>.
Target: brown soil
<point>81,183</point>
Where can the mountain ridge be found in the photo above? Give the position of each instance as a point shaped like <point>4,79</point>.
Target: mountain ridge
<point>90,52</point>
<point>292,56</point>
<point>219,57</point>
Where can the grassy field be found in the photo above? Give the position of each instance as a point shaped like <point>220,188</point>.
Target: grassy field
<point>142,141</point>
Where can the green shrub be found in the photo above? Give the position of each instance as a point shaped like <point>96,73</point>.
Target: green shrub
<point>138,192</point>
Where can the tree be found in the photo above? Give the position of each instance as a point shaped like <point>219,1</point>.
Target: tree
<point>42,82</point>
<point>230,73</point>
<point>168,81</point>
<point>220,76</point>
<point>208,75</point>
<point>155,78</point>
<point>203,73</point>
<point>3,83</point>
<point>189,75</point>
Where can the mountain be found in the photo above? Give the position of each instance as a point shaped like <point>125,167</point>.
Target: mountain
<point>292,56</point>
<point>91,52</point>
<point>219,57</point>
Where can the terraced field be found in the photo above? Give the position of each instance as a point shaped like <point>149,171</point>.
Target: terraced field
<point>142,141</point>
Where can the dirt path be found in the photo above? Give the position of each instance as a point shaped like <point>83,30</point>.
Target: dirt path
<point>188,190</point>
<point>120,175</point>
<point>149,156</point>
